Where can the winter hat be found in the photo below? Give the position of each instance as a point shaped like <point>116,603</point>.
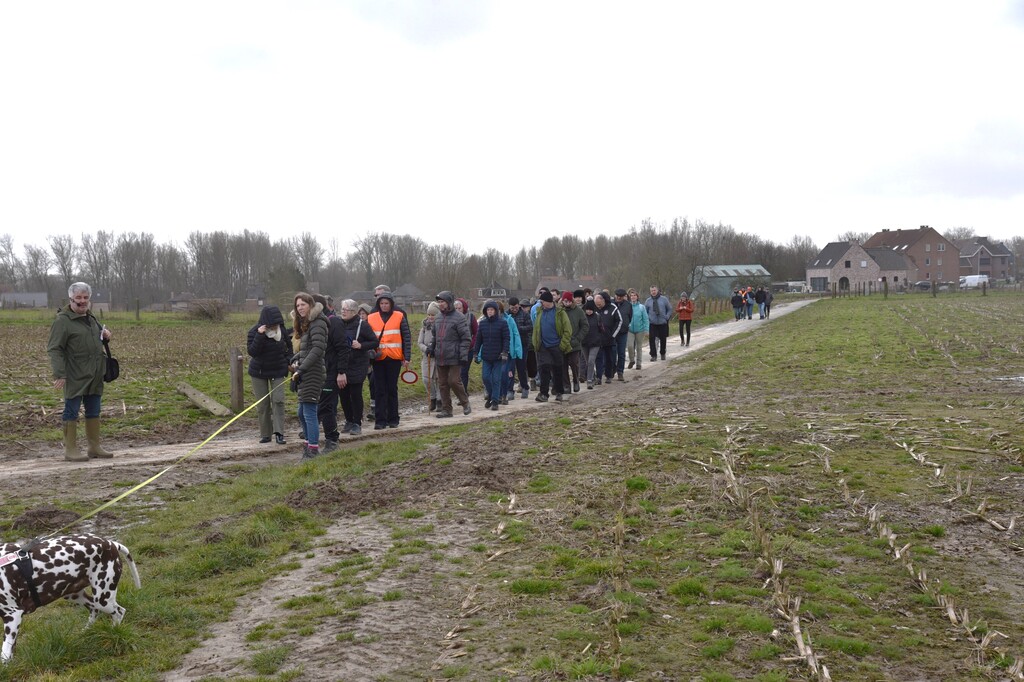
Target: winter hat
<point>567,296</point>
<point>590,305</point>
<point>546,296</point>
<point>365,308</point>
<point>683,295</point>
<point>620,292</point>
<point>433,308</point>
<point>446,296</point>
<point>580,294</point>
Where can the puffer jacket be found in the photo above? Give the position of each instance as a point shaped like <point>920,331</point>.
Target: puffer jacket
<point>659,310</point>
<point>268,359</point>
<point>594,337</point>
<point>337,352</point>
<point>515,342</point>
<point>309,361</point>
<point>580,325</point>
<point>451,339</point>
<point>524,322</point>
<point>563,329</point>
<point>356,365</point>
<point>492,339</point>
<point>76,353</point>
<point>640,321</point>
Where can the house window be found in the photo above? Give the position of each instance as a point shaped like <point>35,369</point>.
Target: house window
<point>938,261</point>
<point>863,263</point>
<point>942,247</point>
<point>927,248</point>
<point>986,261</point>
<point>847,264</point>
<point>927,261</point>
<point>938,276</point>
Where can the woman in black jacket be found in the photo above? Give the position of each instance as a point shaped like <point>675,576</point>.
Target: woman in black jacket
<point>270,347</point>
<point>352,369</point>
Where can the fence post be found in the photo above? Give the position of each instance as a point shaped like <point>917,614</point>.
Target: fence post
<point>237,395</point>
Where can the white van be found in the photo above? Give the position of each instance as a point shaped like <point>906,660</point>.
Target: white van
<point>973,281</point>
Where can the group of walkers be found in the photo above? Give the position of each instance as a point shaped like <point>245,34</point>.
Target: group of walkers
<point>744,300</point>
<point>554,345</point>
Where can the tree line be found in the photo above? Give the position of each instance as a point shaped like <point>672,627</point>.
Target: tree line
<point>134,266</point>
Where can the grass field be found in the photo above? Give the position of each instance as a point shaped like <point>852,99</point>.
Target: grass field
<point>851,472</point>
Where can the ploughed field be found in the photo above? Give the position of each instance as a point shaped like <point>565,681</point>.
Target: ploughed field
<point>835,488</point>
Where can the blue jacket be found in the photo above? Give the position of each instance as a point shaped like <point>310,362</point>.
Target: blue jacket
<point>640,321</point>
<point>659,310</point>
<point>492,335</point>
<point>515,342</point>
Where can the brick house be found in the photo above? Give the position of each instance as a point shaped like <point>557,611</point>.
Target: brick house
<point>849,265</point>
<point>930,255</point>
<point>981,256</point>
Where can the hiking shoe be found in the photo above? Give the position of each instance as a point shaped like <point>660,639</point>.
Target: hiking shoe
<point>590,385</point>
<point>533,384</point>
<point>504,401</point>
<point>265,439</point>
<point>494,406</point>
<point>280,438</point>
<point>347,427</point>
<point>541,398</point>
<point>466,409</point>
<point>329,446</point>
<point>597,381</point>
<point>487,403</point>
<point>663,357</point>
<point>558,397</point>
<point>620,377</point>
<point>631,363</point>
<point>443,414</point>
<point>355,430</point>
<point>525,394</point>
<point>638,368</point>
<point>433,404</point>
<point>576,386</point>
<point>379,427</point>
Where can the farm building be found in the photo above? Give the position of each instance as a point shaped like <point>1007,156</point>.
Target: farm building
<point>718,281</point>
<point>930,255</point>
<point>849,265</point>
<point>29,299</point>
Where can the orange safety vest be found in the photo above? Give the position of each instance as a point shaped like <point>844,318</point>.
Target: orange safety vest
<point>390,335</point>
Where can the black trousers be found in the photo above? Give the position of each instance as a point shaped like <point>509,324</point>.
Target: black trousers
<point>327,412</point>
<point>385,391</point>
<point>352,402</point>
<point>550,361</point>
<point>684,332</point>
<point>657,335</point>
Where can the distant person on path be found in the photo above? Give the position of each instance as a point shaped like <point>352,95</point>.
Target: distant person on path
<point>622,336</point>
<point>78,362</point>
<point>491,348</point>
<point>449,349</point>
<point>759,298</point>
<point>737,304</point>
<point>591,342</point>
<point>524,323</point>
<point>269,345</point>
<point>573,307</point>
<point>462,305</point>
<point>428,368</point>
<point>768,298</point>
<point>308,369</point>
<point>748,300</point>
<point>610,321</point>
<point>515,354</point>
<point>639,325</point>
<point>659,312</point>
<point>684,311</point>
<point>352,375</point>
<point>393,352</point>
<point>552,337</point>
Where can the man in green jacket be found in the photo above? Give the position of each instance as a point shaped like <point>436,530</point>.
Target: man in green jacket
<point>78,362</point>
<point>552,338</point>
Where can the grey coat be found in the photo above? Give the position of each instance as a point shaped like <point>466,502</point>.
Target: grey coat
<point>450,345</point>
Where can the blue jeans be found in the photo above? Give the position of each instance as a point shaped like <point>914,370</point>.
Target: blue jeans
<point>761,309</point>
<point>605,363</point>
<point>310,425</point>
<point>73,405</point>
<point>620,352</point>
<point>493,371</point>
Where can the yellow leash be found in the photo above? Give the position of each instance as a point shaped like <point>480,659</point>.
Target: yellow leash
<point>140,486</point>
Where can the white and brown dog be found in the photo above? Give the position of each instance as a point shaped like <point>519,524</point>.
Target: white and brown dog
<point>67,566</point>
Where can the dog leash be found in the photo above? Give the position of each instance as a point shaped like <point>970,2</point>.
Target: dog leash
<point>151,479</point>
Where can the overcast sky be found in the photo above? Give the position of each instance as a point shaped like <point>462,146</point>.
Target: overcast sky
<point>498,124</point>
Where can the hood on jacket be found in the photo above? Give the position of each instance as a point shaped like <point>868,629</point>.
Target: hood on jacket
<point>448,297</point>
<point>492,304</point>
<point>387,295</point>
<point>270,315</point>
<point>465,305</point>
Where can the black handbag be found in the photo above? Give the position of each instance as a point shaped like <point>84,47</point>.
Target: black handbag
<point>113,369</point>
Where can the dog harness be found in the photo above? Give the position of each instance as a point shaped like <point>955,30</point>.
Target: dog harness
<point>23,560</point>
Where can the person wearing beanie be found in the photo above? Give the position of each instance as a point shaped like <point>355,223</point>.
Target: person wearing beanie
<point>591,343</point>
<point>428,368</point>
<point>524,324</point>
<point>450,349</point>
<point>578,321</point>
<point>552,334</point>
<point>684,311</point>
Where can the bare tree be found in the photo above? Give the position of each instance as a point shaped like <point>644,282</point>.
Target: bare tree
<point>853,236</point>
<point>572,249</point>
<point>401,256</point>
<point>442,267</point>
<point>10,265</point>
<point>364,257</point>
<point>135,267</point>
<point>97,258</point>
<point>310,255</point>
<point>955,234</point>
<point>64,256</point>
<point>495,266</point>
<point>35,267</point>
